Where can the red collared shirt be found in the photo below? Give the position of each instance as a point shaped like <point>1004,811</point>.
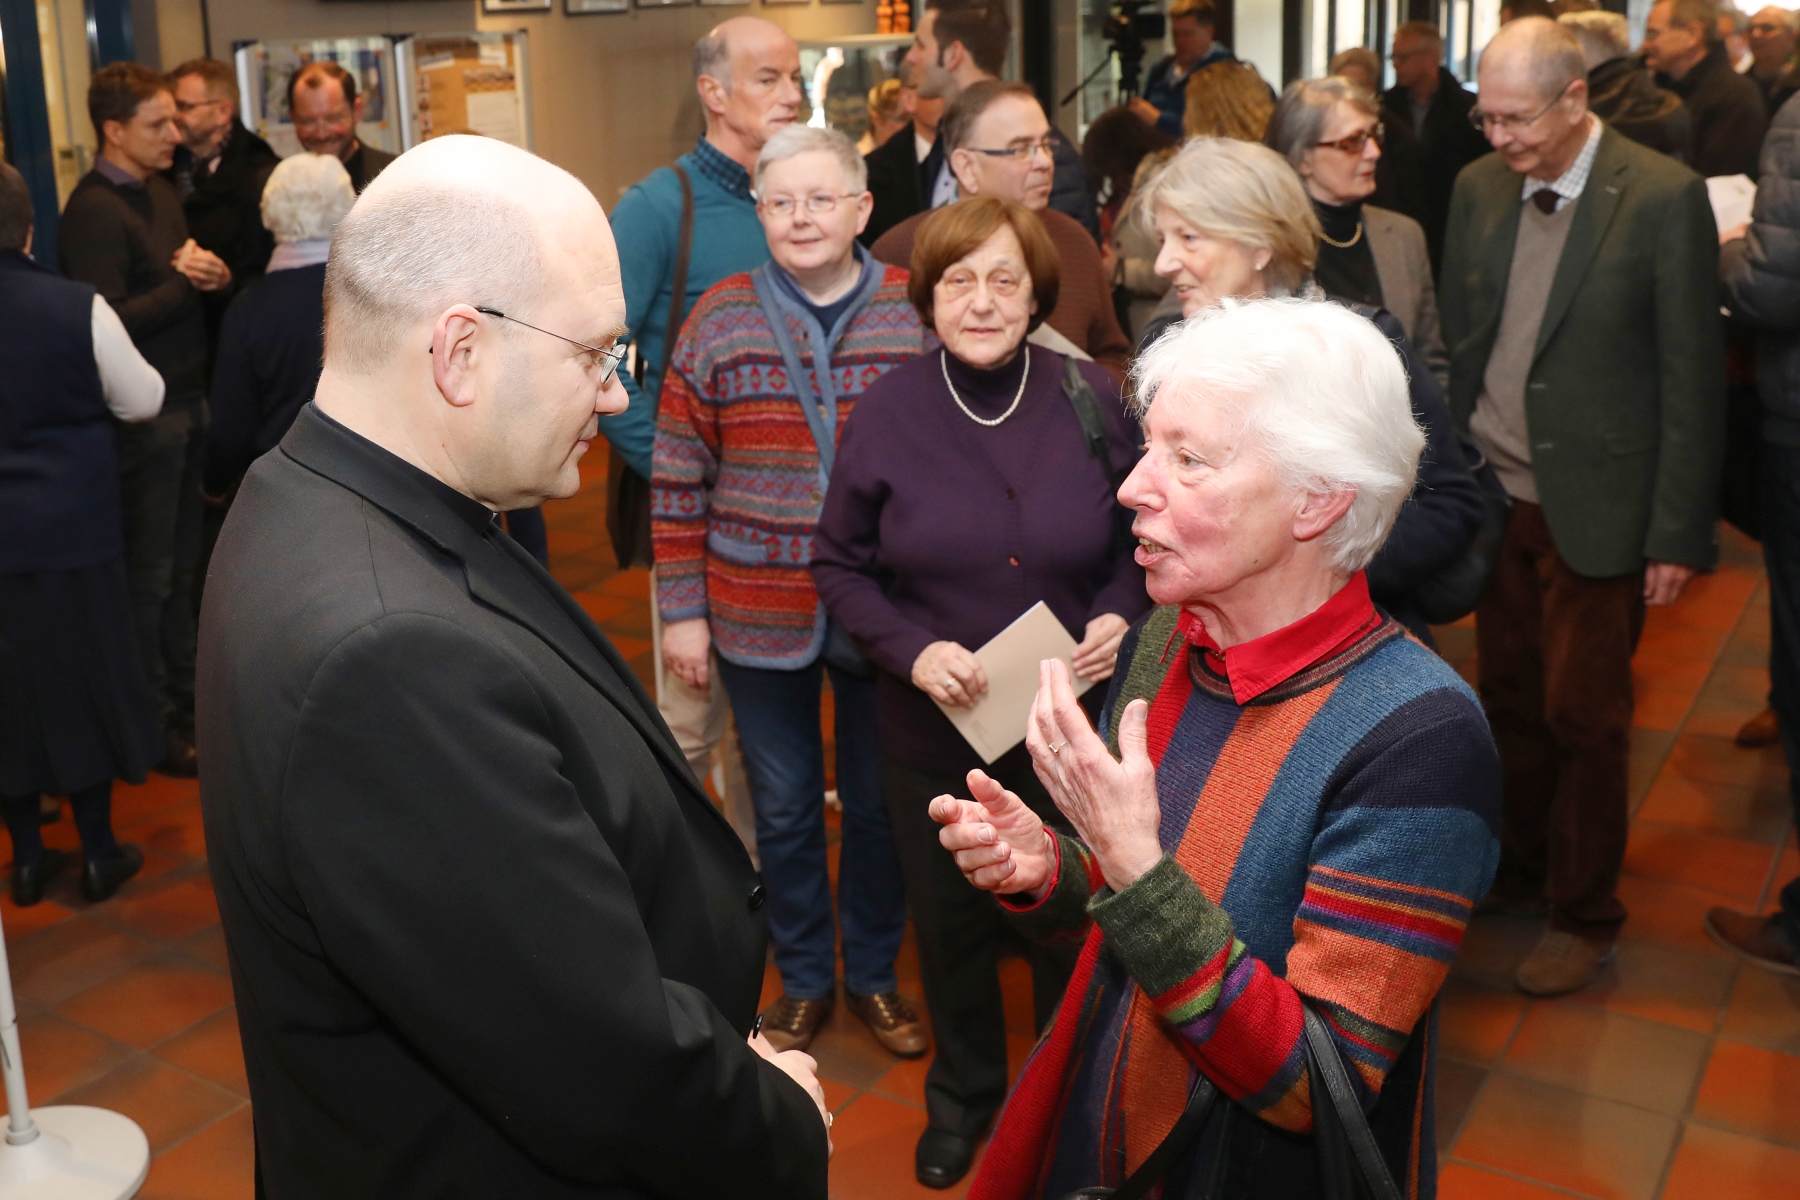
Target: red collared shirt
<point>1255,666</point>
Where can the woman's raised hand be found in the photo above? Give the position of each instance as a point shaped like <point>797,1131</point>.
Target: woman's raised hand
<point>1112,803</point>
<point>950,675</point>
<point>998,842</point>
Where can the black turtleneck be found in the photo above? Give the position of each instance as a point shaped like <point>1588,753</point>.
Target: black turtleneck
<point>988,393</point>
<point>1346,272</point>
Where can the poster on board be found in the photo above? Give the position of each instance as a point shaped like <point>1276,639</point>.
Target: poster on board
<point>465,83</point>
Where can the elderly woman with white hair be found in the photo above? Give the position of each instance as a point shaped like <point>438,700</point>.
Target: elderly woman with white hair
<point>768,367</point>
<point>1284,818</point>
<point>271,345</point>
<point>1234,222</point>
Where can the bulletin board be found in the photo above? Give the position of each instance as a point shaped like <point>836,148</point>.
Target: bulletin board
<point>465,83</point>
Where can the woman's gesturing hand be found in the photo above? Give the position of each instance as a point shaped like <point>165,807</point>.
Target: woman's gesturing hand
<point>1099,650</point>
<point>998,842</point>
<point>949,674</point>
<point>1111,803</point>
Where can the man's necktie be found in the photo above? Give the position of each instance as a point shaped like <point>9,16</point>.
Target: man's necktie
<point>1545,199</point>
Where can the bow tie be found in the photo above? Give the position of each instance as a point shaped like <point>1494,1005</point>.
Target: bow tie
<point>1545,199</point>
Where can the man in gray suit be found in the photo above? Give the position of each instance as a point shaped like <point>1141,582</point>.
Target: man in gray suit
<point>1580,309</point>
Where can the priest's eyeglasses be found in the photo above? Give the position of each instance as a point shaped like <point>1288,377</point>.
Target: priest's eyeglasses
<point>607,360</point>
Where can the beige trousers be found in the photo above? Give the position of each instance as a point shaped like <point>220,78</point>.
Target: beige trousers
<point>702,725</point>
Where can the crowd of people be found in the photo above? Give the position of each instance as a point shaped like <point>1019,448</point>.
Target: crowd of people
<point>1249,391</point>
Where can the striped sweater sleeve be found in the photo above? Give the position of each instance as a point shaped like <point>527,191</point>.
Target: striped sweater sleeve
<point>685,466</point>
<point>1402,853</point>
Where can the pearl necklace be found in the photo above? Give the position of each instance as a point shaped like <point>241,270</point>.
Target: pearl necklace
<point>944,365</point>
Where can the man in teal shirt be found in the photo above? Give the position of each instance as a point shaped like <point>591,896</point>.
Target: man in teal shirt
<point>747,72</point>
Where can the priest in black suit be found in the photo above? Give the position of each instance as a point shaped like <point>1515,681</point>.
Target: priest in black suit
<point>487,934</point>
<point>220,169</point>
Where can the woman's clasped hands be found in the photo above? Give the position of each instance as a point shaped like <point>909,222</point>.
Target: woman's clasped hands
<point>1001,846</point>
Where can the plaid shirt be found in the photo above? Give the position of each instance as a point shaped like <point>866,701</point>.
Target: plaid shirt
<point>1568,185</point>
<point>726,172</point>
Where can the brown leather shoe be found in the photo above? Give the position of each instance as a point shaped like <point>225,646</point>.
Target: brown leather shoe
<point>892,1020</point>
<point>790,1024</point>
<point>1756,938</point>
<point>1764,729</point>
<point>1561,963</point>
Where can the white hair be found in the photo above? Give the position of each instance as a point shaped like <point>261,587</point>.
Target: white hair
<point>791,140</point>
<point>1604,36</point>
<point>306,196</point>
<point>1322,395</point>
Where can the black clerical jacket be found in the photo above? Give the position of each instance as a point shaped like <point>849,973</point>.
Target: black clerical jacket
<point>488,937</point>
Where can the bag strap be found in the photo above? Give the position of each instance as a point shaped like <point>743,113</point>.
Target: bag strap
<point>1093,425</point>
<point>1340,1120</point>
<point>678,294</point>
<point>1187,1127</point>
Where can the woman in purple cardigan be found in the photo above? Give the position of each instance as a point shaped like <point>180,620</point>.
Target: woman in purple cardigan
<point>964,493</point>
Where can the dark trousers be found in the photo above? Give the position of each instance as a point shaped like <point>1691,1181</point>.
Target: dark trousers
<point>93,821</point>
<point>1779,512</point>
<point>159,478</point>
<point>1555,650</point>
<point>960,931</point>
<point>784,757</point>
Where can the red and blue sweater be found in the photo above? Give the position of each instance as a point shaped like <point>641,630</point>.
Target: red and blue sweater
<point>1328,828</point>
<point>735,485</point>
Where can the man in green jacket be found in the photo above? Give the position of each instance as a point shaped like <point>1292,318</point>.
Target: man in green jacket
<point>1580,308</point>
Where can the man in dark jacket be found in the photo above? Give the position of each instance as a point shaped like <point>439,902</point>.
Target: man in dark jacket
<point>1587,360</point>
<point>1774,67</point>
<point>1622,92</point>
<point>1760,267</point>
<point>220,169</point>
<point>1729,112</point>
<point>325,108</point>
<point>1428,100</point>
<point>960,42</point>
<point>488,936</point>
<point>901,168</point>
<point>1164,102</point>
<point>123,233</point>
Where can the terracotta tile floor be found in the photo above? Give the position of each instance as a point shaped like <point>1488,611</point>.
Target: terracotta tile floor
<point>1677,1076</point>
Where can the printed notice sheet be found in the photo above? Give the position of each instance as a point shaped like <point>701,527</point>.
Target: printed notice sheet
<point>1732,198</point>
<point>997,722</point>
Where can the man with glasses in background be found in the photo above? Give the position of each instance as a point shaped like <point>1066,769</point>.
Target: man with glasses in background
<point>325,109</point>
<point>1427,100</point>
<point>220,169</point>
<point>1773,66</point>
<point>998,142</point>
<point>1579,297</point>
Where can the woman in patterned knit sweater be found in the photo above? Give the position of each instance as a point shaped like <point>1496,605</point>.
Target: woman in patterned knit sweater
<point>1304,803</point>
<point>765,373</point>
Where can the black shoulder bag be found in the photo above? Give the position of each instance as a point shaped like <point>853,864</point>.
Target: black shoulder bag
<point>1099,445</point>
<point>627,492</point>
<point>1350,1162</point>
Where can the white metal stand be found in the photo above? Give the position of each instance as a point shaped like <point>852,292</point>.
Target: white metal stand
<point>68,1151</point>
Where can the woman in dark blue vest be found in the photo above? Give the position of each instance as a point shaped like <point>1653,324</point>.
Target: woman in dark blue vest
<point>75,709</point>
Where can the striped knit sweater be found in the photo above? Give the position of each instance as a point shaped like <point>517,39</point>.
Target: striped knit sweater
<point>736,488</point>
<point>1328,838</point>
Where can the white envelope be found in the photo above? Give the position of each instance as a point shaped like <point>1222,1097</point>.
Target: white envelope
<point>1732,198</point>
<point>997,722</point>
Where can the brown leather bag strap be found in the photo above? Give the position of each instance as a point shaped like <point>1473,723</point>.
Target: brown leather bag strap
<point>678,293</point>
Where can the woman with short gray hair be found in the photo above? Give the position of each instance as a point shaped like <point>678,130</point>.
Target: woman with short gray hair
<point>1285,815</point>
<point>271,344</point>
<point>1332,133</point>
<point>766,371</point>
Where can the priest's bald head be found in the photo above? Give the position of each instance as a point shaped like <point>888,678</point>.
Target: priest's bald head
<point>472,311</point>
